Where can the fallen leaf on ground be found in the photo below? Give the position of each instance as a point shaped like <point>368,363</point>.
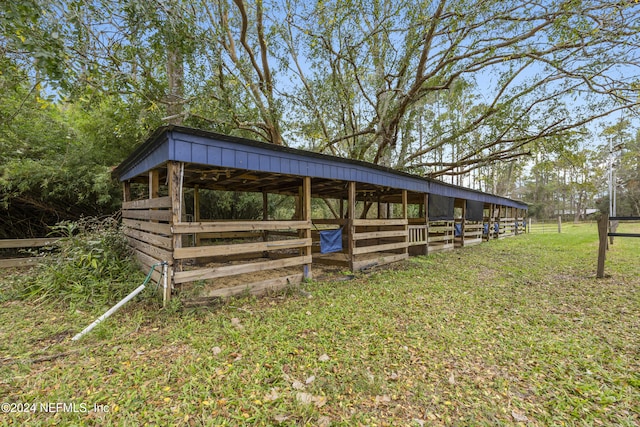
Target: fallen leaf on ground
<point>519,417</point>
<point>324,421</point>
<point>324,358</point>
<point>382,399</point>
<point>272,395</point>
<point>319,401</point>
<point>304,398</point>
<point>236,322</point>
<point>280,418</point>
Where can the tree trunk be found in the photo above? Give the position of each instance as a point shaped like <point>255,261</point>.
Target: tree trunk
<point>175,77</point>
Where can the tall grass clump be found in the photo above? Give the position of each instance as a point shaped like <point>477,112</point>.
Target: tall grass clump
<point>90,264</point>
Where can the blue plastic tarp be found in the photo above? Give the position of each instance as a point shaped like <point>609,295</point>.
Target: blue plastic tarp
<point>457,230</point>
<point>486,229</point>
<point>331,241</point>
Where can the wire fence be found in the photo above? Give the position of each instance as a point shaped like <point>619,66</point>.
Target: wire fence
<point>550,226</point>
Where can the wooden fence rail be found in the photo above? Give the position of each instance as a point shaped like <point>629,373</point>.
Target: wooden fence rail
<point>22,244</point>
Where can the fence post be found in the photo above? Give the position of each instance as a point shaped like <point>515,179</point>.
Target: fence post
<point>603,223</point>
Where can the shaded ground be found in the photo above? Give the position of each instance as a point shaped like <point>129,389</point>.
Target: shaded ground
<point>516,331</point>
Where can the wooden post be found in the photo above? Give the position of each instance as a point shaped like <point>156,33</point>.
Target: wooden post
<point>405,216</point>
<point>196,203</point>
<point>462,222</point>
<point>196,211</point>
<point>265,216</point>
<point>174,170</point>
<point>306,213</point>
<point>559,223</point>
<point>126,191</point>
<point>351,207</point>
<point>426,222</point>
<point>603,223</point>
<point>154,183</point>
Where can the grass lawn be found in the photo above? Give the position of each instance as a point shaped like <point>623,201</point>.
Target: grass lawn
<point>512,332</point>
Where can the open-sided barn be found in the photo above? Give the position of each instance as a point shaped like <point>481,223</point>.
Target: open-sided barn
<point>342,212</point>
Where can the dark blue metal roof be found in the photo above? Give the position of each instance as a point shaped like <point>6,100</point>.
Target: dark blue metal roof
<point>207,148</point>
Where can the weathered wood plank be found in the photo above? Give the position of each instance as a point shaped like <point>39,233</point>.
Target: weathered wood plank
<point>27,243</point>
<point>468,226</point>
<point>234,226</point>
<point>380,234</point>
<point>257,288</point>
<point>153,239</point>
<point>212,251</point>
<point>439,238</point>
<point>323,259</point>
<point>145,262</point>
<point>19,262</point>
<point>379,248</point>
<point>155,252</point>
<point>232,270</point>
<point>440,229</point>
<point>147,214</point>
<point>230,235</point>
<point>378,222</point>
<point>440,247</point>
<point>375,262</point>
<point>160,202</point>
<point>152,227</point>
<point>330,221</point>
<point>472,242</point>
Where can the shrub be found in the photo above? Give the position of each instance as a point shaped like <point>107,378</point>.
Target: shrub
<point>91,264</point>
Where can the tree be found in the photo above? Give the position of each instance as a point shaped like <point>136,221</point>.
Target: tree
<point>565,178</point>
<point>531,59</point>
<point>434,87</point>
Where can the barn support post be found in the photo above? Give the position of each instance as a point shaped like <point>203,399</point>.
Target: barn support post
<point>174,178</point>
<point>196,211</point>
<point>154,183</point>
<point>126,191</point>
<point>306,216</point>
<point>405,216</point>
<point>489,221</point>
<point>426,222</point>
<point>351,206</point>
<point>462,222</point>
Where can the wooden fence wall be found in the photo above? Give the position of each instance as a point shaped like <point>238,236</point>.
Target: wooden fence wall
<point>23,244</point>
<point>148,229</point>
<point>255,249</point>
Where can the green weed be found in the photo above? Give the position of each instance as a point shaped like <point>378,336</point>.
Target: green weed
<point>90,264</point>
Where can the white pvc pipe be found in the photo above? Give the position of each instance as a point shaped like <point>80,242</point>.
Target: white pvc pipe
<point>165,281</point>
<point>109,312</point>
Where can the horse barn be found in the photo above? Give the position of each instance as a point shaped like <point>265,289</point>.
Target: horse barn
<point>308,210</point>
